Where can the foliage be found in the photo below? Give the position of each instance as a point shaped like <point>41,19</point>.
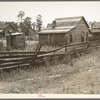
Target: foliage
<point>20,15</point>
<point>39,22</point>
<point>26,25</point>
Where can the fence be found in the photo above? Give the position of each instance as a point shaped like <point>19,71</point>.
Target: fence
<point>9,60</point>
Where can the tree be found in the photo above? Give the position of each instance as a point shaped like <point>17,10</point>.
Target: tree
<point>90,24</point>
<point>26,25</point>
<point>20,15</point>
<point>27,22</point>
<point>34,26</point>
<point>39,22</point>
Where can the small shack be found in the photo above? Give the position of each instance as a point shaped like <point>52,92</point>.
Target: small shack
<point>95,31</point>
<point>4,29</point>
<point>61,31</point>
<point>15,40</point>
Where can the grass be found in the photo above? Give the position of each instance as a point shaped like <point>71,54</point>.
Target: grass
<point>31,45</point>
<point>59,78</point>
<point>81,78</point>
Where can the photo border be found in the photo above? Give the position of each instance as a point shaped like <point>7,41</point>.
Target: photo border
<point>36,96</point>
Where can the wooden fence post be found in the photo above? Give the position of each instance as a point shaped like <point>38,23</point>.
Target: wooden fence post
<point>9,42</point>
<point>71,62</point>
<point>87,48</point>
<point>32,63</point>
<point>66,45</point>
<point>1,74</point>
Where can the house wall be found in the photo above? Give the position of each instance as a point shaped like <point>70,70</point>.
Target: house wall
<point>16,41</point>
<point>59,39</point>
<point>6,31</point>
<point>20,41</point>
<point>96,36</point>
<point>77,33</point>
<point>13,41</point>
<point>52,39</point>
<point>43,39</point>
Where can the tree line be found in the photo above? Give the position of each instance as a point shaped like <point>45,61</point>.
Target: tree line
<point>24,24</point>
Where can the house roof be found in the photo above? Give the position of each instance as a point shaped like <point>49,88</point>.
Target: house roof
<point>17,33</point>
<point>55,31</point>
<point>96,25</point>
<point>3,26</point>
<point>95,30</point>
<point>63,25</point>
<point>70,21</point>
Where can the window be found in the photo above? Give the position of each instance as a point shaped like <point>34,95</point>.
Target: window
<point>82,38</point>
<point>71,38</point>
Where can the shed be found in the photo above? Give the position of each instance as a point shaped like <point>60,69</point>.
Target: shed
<point>61,31</point>
<point>95,31</point>
<point>4,29</point>
<point>15,40</point>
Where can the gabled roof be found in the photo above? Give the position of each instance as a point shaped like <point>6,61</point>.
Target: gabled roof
<point>63,24</point>
<point>69,21</point>
<point>96,25</point>
<point>3,26</point>
<point>95,30</point>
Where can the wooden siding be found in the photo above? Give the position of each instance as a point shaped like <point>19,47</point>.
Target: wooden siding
<point>52,39</point>
<point>43,39</point>
<point>59,39</point>
<point>77,33</point>
<point>96,36</point>
<point>6,31</point>
<point>15,41</point>
<point>20,40</point>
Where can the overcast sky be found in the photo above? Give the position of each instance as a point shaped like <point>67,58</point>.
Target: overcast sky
<point>50,10</point>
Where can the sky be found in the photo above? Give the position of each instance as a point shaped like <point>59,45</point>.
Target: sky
<point>50,10</point>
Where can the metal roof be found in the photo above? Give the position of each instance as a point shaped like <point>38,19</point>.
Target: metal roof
<point>3,26</point>
<point>67,27</point>
<point>96,25</point>
<point>16,33</point>
<point>67,19</point>
<point>95,30</point>
<point>65,22</point>
<point>1,30</point>
<point>54,31</point>
<point>63,25</point>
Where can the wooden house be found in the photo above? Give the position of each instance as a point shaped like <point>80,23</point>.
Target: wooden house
<point>5,28</point>
<point>95,31</point>
<point>63,31</point>
<point>15,40</point>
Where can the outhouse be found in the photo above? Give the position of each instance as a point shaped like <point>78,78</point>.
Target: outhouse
<point>15,40</point>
